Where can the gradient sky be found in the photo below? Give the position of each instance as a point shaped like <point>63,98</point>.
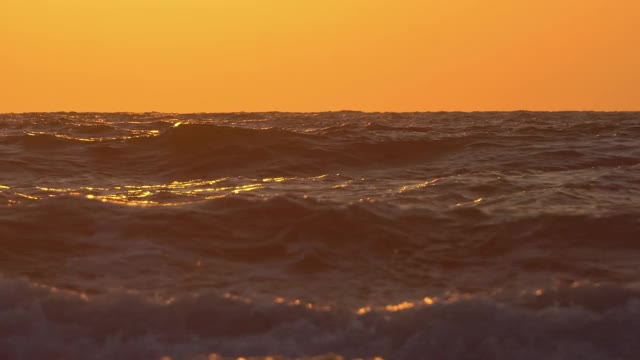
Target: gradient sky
<point>307,55</point>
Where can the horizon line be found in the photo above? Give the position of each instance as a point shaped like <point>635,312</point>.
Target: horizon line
<point>311,112</point>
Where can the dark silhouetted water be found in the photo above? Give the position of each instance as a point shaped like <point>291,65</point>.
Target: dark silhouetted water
<point>396,236</point>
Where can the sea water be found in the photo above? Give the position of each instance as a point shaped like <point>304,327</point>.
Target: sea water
<point>343,235</point>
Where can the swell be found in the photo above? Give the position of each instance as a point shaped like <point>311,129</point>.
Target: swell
<point>45,142</point>
<point>193,150</point>
<point>189,136</point>
<point>330,220</point>
<point>204,150</point>
<point>214,149</point>
<point>591,322</point>
<point>304,236</point>
<point>211,139</point>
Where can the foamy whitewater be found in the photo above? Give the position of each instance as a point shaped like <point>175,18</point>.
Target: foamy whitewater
<point>320,236</point>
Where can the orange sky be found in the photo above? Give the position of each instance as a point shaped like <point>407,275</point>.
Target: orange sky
<point>308,55</point>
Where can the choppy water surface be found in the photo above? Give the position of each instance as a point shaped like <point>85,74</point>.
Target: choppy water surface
<point>388,236</point>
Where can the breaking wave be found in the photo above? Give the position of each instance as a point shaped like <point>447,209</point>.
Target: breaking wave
<point>585,322</point>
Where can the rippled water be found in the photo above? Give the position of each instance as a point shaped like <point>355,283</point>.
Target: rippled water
<point>396,236</point>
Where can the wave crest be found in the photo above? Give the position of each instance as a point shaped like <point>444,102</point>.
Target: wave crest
<point>134,326</point>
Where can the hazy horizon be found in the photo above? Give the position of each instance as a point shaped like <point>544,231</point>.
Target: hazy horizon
<point>222,56</point>
<point>317,112</point>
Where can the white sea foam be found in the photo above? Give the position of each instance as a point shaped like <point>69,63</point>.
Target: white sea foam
<point>587,322</point>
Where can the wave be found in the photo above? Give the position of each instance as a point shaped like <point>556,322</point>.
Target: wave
<point>328,217</point>
<point>522,228</point>
<point>31,141</point>
<point>379,127</point>
<point>207,145</point>
<point>39,321</point>
<point>197,135</point>
<point>303,236</point>
<point>202,150</point>
<point>93,128</point>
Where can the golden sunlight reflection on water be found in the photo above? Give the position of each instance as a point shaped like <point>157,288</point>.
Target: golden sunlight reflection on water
<point>135,133</point>
<point>449,297</point>
<point>168,194</point>
<point>418,186</point>
<point>168,300</point>
<point>180,192</point>
<point>325,187</point>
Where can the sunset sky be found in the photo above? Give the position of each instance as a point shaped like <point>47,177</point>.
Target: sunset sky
<point>307,55</point>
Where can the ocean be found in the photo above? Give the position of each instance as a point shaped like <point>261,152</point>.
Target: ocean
<point>341,235</point>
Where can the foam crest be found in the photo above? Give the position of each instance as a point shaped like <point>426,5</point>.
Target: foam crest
<point>130,326</point>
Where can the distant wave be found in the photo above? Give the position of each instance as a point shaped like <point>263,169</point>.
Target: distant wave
<point>190,151</point>
<point>40,141</point>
